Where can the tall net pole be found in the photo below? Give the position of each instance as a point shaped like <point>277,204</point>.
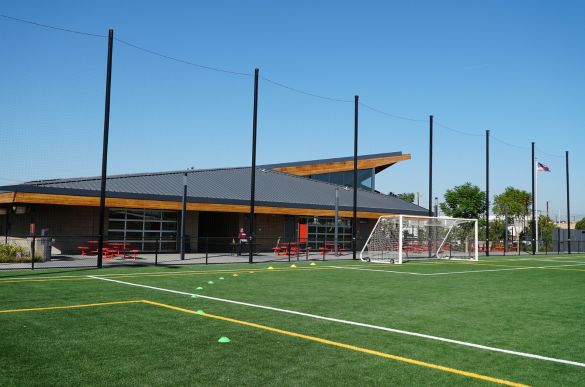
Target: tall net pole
<point>253,174</point>
<point>355,165</point>
<point>430,175</point>
<point>102,212</point>
<point>487,192</point>
<point>183,216</point>
<point>431,165</point>
<point>533,203</point>
<point>568,203</point>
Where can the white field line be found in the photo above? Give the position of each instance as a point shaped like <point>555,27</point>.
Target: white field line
<point>457,272</point>
<point>354,323</point>
<point>377,270</point>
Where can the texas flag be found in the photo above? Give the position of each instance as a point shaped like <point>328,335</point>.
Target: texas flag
<point>542,168</point>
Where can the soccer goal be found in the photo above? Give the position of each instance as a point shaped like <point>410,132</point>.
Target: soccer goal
<point>397,238</point>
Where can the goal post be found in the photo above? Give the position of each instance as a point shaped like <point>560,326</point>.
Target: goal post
<point>398,238</point>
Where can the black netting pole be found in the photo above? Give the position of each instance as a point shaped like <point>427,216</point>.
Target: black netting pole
<point>32,252</point>
<point>487,192</point>
<point>183,216</point>
<point>156,252</point>
<point>105,151</point>
<point>568,203</point>
<point>533,223</point>
<point>253,174</point>
<point>355,187</point>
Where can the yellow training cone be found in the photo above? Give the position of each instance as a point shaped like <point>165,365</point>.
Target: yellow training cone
<point>270,268</point>
<point>235,275</point>
<point>293,266</point>
<point>312,264</point>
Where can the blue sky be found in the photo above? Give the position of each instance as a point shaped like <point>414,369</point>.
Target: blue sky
<point>515,68</point>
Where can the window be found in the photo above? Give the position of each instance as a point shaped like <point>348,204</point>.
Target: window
<point>322,229</point>
<point>365,178</point>
<point>144,229</point>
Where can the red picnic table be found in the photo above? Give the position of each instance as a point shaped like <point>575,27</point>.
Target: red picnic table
<point>113,249</point>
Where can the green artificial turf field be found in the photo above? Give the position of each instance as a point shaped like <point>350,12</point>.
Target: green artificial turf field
<point>514,321</point>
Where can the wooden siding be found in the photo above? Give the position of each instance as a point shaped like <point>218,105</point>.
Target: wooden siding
<point>93,201</point>
<point>341,166</point>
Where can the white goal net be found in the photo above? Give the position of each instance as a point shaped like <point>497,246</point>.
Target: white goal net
<point>397,238</point>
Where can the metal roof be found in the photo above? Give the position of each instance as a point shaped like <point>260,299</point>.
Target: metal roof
<point>225,186</point>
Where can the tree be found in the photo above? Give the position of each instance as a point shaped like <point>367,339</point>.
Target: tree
<point>464,201</point>
<point>546,227</point>
<point>514,201</point>
<point>406,196</point>
<point>517,204</point>
<point>580,225</point>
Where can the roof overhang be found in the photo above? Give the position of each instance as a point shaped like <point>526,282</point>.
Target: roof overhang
<point>193,204</point>
<point>377,163</point>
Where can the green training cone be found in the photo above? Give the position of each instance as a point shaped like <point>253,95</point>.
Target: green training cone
<point>199,288</point>
<point>210,282</point>
<point>220,278</point>
<point>223,339</point>
<point>200,312</point>
<point>193,295</point>
<point>235,275</point>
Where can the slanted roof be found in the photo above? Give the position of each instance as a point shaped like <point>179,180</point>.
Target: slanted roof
<point>220,186</point>
<point>378,161</point>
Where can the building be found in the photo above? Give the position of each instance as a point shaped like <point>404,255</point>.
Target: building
<point>292,200</point>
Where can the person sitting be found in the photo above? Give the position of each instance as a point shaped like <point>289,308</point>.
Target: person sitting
<point>242,238</point>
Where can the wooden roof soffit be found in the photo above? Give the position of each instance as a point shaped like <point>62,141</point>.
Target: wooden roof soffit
<point>379,164</point>
<point>93,201</point>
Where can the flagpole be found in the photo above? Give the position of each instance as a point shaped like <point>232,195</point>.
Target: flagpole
<point>536,200</point>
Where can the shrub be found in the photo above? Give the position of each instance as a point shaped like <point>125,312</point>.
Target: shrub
<point>15,254</point>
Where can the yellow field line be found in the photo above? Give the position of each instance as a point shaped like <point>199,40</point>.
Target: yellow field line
<point>70,306</point>
<point>541,259</point>
<point>494,264</point>
<point>43,280</point>
<point>342,345</point>
<point>560,268</point>
<point>219,272</point>
<point>552,267</point>
<point>139,275</point>
<point>284,332</point>
<point>251,271</point>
